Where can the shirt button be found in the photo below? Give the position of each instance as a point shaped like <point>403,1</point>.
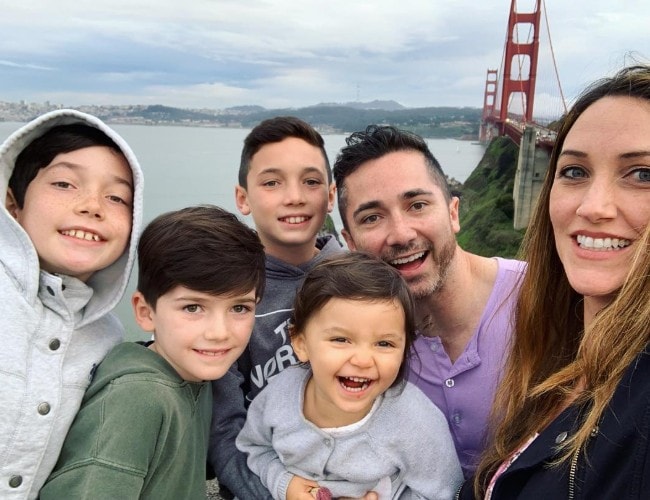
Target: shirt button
<point>434,347</point>
<point>561,437</point>
<point>326,442</point>
<point>50,291</point>
<point>44,408</point>
<point>55,344</point>
<point>15,481</point>
<point>449,382</point>
<point>457,418</point>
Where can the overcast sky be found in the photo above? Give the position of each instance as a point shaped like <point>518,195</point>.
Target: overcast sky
<point>294,53</point>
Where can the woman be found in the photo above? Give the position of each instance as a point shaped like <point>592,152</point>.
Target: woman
<point>572,414</point>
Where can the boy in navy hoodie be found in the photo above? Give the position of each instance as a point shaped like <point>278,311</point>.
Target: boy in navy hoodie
<point>285,184</point>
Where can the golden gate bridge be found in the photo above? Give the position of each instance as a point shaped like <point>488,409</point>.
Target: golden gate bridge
<point>509,98</point>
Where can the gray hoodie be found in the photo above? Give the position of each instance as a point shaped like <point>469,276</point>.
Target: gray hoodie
<point>54,329</point>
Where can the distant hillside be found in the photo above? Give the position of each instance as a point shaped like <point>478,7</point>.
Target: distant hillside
<point>384,105</point>
<point>158,112</point>
<point>487,207</point>
<point>434,122</point>
<point>244,109</point>
<point>439,122</point>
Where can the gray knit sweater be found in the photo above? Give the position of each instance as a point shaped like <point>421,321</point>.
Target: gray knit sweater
<point>405,438</point>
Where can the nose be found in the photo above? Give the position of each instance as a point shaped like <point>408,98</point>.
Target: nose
<point>362,357</point>
<point>216,328</point>
<point>90,204</point>
<point>294,193</point>
<point>598,202</point>
<point>400,232</point>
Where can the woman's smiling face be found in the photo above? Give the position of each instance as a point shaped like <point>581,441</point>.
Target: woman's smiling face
<point>600,198</point>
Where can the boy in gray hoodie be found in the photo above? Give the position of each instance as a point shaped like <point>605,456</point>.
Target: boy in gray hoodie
<point>285,184</point>
<point>68,234</point>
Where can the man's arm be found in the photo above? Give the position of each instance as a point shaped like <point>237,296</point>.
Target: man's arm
<point>228,417</point>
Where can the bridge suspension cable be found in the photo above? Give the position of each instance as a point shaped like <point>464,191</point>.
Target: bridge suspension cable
<point>550,42</point>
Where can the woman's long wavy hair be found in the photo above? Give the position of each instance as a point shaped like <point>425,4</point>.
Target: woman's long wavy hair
<point>551,351</point>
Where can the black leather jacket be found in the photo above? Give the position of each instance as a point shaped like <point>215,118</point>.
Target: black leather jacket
<point>617,461</point>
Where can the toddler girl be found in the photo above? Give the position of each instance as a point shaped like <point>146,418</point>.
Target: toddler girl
<point>346,421</point>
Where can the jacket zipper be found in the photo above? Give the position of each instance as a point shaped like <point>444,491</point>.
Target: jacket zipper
<point>573,469</point>
<point>572,474</point>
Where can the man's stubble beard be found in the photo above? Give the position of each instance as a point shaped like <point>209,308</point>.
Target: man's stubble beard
<point>442,262</point>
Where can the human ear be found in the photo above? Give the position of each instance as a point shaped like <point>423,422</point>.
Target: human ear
<point>11,204</point>
<point>299,347</point>
<point>453,213</point>
<point>241,199</point>
<point>331,196</point>
<point>348,239</point>
<point>144,313</point>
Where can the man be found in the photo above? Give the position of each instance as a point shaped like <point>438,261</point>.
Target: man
<point>395,203</point>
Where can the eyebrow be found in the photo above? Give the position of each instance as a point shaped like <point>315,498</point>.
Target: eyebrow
<point>76,166</point>
<point>278,170</point>
<point>407,195</point>
<point>200,296</point>
<point>582,154</point>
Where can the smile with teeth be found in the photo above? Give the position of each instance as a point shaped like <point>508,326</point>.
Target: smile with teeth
<point>295,220</point>
<point>81,235</point>
<point>212,353</point>
<point>406,260</point>
<point>602,244</point>
<point>355,384</point>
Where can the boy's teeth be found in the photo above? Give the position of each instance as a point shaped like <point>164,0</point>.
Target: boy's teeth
<point>295,220</point>
<point>601,244</point>
<point>82,235</point>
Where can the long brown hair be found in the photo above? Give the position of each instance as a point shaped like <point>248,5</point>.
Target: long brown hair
<point>550,350</point>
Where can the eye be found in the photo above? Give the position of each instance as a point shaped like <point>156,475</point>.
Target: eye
<point>338,340</point>
<point>118,199</point>
<point>418,206</point>
<point>192,308</point>
<point>270,183</point>
<point>313,182</point>
<point>370,219</point>
<point>572,172</point>
<point>242,309</point>
<point>385,343</point>
<point>641,174</point>
<point>62,184</point>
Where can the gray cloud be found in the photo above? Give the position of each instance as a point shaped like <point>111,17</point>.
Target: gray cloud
<point>283,53</point>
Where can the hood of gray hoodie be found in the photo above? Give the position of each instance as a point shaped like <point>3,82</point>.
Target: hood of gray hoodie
<point>18,254</point>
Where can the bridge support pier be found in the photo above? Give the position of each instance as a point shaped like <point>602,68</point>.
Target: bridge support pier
<point>531,169</point>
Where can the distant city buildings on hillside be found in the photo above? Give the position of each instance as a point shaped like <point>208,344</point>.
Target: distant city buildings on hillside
<point>328,118</point>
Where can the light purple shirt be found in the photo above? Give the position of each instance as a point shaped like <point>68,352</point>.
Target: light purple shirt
<point>464,390</point>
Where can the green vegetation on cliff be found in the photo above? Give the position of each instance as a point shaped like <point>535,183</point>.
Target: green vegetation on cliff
<point>487,207</point>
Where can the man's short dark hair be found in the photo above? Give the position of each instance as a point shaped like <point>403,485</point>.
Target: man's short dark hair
<point>203,248</point>
<point>373,143</point>
<point>41,151</point>
<point>275,130</point>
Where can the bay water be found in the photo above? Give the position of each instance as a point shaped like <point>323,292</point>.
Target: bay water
<point>192,165</point>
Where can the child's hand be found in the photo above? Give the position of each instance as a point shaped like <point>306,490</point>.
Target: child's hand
<point>321,493</point>
<point>371,495</point>
<point>300,488</point>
